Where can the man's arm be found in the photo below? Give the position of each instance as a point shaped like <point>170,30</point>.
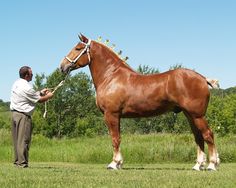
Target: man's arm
<point>46,95</point>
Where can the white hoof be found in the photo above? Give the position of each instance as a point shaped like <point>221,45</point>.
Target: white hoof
<point>115,165</point>
<point>198,167</point>
<point>211,167</point>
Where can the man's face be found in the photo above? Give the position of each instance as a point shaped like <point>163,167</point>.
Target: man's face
<point>29,76</point>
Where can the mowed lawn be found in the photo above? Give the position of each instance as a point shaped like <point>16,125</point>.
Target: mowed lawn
<point>70,175</point>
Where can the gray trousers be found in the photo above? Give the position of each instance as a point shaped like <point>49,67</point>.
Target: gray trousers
<point>21,134</point>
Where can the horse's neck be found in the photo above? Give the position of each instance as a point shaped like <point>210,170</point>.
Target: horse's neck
<point>102,70</point>
<point>104,64</point>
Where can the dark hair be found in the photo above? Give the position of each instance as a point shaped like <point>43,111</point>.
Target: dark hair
<point>24,71</point>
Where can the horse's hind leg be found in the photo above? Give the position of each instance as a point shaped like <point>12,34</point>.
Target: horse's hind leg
<point>203,132</point>
<point>201,156</point>
<point>113,124</point>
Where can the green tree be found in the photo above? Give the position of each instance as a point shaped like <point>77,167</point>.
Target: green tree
<point>221,113</point>
<point>75,99</point>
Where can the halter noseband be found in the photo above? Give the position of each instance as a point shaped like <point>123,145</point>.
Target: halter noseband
<point>86,49</point>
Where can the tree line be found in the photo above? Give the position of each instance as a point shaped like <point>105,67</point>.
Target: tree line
<point>72,112</point>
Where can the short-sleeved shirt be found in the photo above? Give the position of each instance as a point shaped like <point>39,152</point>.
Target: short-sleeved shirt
<point>23,97</point>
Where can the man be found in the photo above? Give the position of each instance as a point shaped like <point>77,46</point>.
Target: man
<point>23,101</point>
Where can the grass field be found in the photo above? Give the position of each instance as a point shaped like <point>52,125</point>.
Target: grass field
<point>136,149</point>
<point>96,175</point>
<point>157,160</point>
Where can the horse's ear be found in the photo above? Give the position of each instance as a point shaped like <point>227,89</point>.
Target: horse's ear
<point>80,38</point>
<point>83,38</point>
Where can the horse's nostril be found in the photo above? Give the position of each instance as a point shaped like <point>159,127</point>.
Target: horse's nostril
<point>61,69</point>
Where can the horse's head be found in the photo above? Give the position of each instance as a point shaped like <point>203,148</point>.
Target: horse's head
<point>78,57</point>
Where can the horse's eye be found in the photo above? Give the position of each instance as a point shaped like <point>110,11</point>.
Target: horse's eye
<point>78,49</point>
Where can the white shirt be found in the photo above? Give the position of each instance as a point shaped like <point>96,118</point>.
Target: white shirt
<point>23,97</point>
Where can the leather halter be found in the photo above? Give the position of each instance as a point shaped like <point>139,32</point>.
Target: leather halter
<point>86,49</point>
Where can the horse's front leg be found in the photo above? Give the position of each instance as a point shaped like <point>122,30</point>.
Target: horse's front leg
<point>113,124</point>
<point>201,160</point>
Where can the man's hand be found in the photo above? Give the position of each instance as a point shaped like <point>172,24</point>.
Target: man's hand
<point>44,92</point>
<point>47,95</point>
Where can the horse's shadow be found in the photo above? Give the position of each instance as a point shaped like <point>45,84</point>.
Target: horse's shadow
<point>156,168</point>
<point>44,167</point>
<point>123,168</point>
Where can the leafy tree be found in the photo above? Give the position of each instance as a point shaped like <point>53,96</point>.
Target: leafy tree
<point>221,113</point>
<point>228,91</point>
<point>5,119</point>
<point>230,113</point>
<point>4,106</point>
<point>75,99</point>
<point>90,126</point>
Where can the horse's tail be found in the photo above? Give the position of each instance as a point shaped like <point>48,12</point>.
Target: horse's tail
<point>214,83</point>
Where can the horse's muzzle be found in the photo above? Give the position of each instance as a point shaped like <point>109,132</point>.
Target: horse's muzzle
<point>65,68</point>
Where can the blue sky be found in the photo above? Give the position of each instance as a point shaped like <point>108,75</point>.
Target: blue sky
<point>199,34</point>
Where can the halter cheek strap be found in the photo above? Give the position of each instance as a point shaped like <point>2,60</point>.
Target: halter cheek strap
<point>86,49</point>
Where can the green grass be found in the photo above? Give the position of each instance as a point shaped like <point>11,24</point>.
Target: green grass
<point>132,175</point>
<point>157,160</point>
<point>155,148</point>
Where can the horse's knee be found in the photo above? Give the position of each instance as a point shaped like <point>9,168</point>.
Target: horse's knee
<point>208,136</point>
<point>116,140</point>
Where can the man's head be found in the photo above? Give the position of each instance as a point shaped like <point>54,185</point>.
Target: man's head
<point>25,72</point>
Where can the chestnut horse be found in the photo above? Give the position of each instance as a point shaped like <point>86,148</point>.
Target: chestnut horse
<point>121,93</point>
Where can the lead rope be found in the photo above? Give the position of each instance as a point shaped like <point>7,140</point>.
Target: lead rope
<point>54,89</point>
<point>45,104</point>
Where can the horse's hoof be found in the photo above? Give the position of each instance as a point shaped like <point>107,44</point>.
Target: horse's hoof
<point>112,166</point>
<point>198,167</point>
<point>211,167</point>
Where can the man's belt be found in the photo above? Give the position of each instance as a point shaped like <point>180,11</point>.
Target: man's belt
<point>21,113</point>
